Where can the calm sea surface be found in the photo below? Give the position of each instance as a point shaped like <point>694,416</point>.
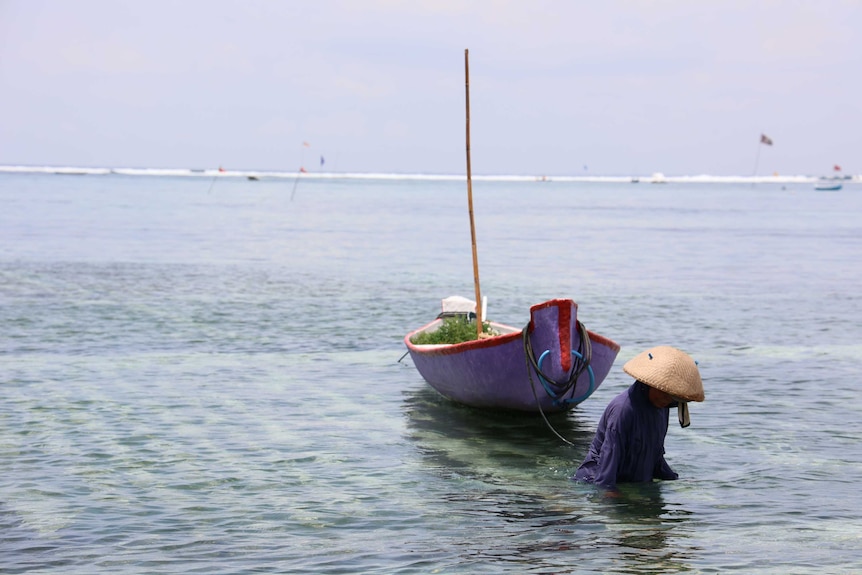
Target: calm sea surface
<point>206,379</point>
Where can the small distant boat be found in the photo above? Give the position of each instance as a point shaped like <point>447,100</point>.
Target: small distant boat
<point>551,365</point>
<point>830,184</point>
<point>70,172</point>
<point>827,185</point>
<point>253,178</point>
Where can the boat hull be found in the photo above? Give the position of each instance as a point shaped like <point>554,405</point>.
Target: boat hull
<point>495,373</point>
<point>827,187</point>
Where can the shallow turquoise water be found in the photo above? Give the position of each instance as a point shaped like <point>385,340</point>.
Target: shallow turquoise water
<point>208,380</point>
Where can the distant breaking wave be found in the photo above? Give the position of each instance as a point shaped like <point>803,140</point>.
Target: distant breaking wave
<point>260,175</point>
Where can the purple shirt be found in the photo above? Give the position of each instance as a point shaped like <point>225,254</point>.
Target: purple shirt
<point>629,442</point>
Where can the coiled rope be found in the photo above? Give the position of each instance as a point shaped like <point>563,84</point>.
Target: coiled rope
<point>580,362</point>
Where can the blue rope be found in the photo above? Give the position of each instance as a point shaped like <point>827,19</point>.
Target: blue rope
<point>550,392</point>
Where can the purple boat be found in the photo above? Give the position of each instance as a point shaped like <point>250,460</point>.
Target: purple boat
<point>550,365</point>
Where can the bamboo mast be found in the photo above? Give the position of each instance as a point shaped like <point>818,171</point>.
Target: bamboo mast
<point>470,203</point>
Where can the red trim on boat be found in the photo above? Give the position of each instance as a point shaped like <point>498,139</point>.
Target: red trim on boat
<point>564,329</point>
<point>604,340</point>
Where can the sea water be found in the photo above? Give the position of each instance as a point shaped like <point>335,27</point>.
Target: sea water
<point>206,375</point>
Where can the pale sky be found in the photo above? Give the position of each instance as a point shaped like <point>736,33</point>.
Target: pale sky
<point>557,87</point>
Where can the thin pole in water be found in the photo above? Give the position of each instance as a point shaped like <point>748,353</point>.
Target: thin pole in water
<point>470,202</point>
<point>301,168</point>
<point>214,179</point>
<point>295,182</point>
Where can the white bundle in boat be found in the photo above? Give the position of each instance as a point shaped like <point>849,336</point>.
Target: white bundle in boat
<point>458,305</point>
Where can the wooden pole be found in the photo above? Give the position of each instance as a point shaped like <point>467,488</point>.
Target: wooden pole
<point>470,203</point>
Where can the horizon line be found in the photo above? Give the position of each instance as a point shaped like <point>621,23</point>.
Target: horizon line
<point>655,177</point>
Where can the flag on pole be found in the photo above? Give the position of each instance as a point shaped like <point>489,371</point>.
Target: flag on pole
<point>322,160</point>
<point>764,139</point>
<point>306,145</point>
<point>837,168</point>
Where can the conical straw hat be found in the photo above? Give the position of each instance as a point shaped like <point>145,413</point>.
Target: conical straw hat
<point>668,369</point>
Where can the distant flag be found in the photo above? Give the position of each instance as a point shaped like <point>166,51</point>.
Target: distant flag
<point>302,170</point>
<point>220,169</point>
<point>322,160</point>
<point>765,140</point>
<point>306,144</point>
<point>837,168</point>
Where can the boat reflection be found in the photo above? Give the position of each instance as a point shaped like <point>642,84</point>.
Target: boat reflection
<point>482,443</point>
